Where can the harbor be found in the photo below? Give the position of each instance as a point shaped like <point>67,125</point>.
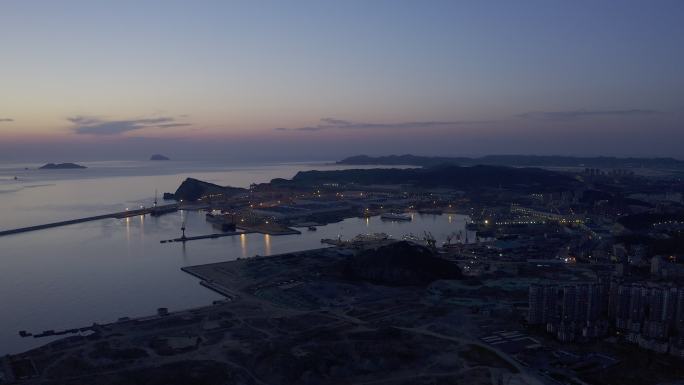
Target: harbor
<point>126,253</point>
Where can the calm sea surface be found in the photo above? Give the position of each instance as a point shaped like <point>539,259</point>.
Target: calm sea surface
<point>99,271</point>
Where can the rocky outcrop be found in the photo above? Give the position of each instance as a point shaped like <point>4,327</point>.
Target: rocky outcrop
<point>193,189</point>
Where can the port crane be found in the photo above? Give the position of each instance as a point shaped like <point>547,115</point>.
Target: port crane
<point>430,240</point>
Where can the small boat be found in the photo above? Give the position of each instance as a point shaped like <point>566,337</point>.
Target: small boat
<point>395,217</point>
<point>312,228</point>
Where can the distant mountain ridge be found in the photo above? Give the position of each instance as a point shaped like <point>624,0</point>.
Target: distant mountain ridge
<point>448,176</point>
<point>516,160</point>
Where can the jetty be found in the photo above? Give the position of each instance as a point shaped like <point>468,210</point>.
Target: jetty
<point>268,228</point>
<point>207,236</point>
<point>117,215</point>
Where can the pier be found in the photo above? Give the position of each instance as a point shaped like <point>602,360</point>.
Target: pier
<point>207,236</point>
<point>117,215</point>
<point>268,229</point>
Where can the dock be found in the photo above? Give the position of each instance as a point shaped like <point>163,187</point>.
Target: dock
<point>207,236</point>
<point>117,215</point>
<point>333,242</point>
<point>269,229</point>
<point>273,230</point>
<point>212,284</point>
<point>53,333</point>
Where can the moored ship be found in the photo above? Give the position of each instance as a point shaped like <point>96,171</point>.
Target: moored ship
<point>395,217</point>
<point>223,221</point>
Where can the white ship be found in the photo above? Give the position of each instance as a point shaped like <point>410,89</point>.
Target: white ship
<point>395,217</point>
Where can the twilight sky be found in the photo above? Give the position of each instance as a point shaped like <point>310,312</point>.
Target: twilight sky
<point>298,80</point>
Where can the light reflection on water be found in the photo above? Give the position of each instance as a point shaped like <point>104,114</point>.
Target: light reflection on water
<point>99,271</point>
<point>267,244</point>
<point>42,196</point>
<point>243,245</point>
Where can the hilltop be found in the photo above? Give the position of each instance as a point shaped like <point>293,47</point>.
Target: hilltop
<point>517,160</point>
<point>192,189</point>
<point>399,264</point>
<point>447,176</point>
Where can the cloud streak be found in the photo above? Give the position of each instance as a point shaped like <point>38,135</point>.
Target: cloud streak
<point>6,120</point>
<point>340,124</point>
<point>87,125</point>
<point>578,114</point>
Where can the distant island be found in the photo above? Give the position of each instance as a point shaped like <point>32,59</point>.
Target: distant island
<point>159,157</point>
<point>61,166</point>
<point>517,160</point>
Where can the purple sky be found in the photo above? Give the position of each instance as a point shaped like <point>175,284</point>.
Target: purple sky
<point>309,80</point>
